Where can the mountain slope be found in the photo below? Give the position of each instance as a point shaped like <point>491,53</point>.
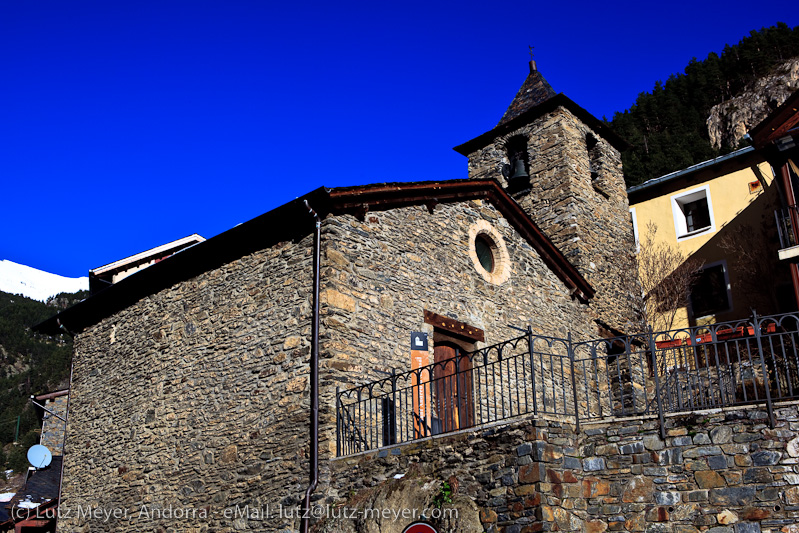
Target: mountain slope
<point>36,284</point>
<point>668,127</point>
<point>29,364</point>
<point>729,121</point>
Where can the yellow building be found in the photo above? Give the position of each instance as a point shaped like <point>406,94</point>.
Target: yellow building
<point>721,214</point>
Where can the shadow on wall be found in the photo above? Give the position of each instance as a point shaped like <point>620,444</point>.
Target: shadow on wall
<point>745,250</point>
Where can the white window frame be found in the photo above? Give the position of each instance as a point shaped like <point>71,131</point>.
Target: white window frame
<point>729,308</point>
<point>635,230</point>
<point>680,226</point>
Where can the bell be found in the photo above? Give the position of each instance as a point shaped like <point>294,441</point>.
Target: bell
<point>518,171</point>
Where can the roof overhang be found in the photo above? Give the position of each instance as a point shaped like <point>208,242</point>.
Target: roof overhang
<point>782,122</point>
<point>157,251</point>
<point>737,159</point>
<point>291,221</point>
<point>547,106</point>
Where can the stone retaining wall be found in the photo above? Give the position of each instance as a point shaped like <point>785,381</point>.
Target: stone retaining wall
<point>721,472</point>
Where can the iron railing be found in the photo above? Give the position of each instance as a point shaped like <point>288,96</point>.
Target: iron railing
<point>729,364</point>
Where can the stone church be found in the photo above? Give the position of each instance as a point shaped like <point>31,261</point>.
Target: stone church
<point>192,385</point>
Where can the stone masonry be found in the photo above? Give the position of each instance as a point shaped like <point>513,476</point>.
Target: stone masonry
<point>52,426</point>
<point>197,397</point>
<point>588,219</point>
<point>381,274</point>
<point>718,471</point>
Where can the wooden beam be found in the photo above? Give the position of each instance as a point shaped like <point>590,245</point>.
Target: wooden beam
<point>456,327</point>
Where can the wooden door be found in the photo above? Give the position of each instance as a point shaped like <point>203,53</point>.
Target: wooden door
<point>452,375</point>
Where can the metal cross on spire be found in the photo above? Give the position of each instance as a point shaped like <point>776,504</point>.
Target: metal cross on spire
<point>531,52</point>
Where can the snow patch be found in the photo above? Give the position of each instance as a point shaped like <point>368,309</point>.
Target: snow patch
<point>36,284</point>
<point>28,505</point>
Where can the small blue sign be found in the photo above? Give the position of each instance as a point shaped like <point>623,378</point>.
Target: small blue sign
<point>419,341</point>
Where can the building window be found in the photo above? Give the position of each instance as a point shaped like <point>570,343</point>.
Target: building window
<point>483,247</point>
<point>711,291</point>
<point>516,170</point>
<point>592,145</point>
<point>693,213</point>
<point>489,253</point>
<point>635,229</point>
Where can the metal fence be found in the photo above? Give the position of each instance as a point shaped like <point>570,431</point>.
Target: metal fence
<point>735,363</point>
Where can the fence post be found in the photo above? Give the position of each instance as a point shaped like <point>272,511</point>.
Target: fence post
<point>456,412</point>
<point>574,384</point>
<point>655,372</point>
<point>393,421</point>
<point>338,423</point>
<point>532,365</point>
<point>763,368</point>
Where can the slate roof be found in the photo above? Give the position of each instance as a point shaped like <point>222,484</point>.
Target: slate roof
<point>534,91</point>
<point>41,486</point>
<point>292,221</point>
<point>536,98</point>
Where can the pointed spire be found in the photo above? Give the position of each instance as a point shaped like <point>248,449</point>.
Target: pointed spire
<point>535,90</point>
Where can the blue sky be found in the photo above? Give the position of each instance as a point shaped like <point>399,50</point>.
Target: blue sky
<point>126,124</point>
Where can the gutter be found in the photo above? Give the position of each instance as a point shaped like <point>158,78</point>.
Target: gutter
<point>52,395</point>
<point>314,466</point>
<point>66,422</point>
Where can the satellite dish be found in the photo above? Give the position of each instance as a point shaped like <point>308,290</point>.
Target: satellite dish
<point>39,456</point>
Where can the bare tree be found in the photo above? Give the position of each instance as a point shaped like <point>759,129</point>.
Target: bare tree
<point>755,261</point>
<point>665,278</point>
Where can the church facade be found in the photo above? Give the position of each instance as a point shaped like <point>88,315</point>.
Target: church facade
<point>191,387</point>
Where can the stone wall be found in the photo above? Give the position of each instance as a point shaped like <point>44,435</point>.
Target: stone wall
<point>195,399</point>
<point>722,472</point>
<point>587,219</point>
<point>727,471</point>
<point>52,426</point>
<point>379,276</point>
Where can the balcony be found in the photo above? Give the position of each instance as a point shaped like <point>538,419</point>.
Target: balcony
<point>786,222</point>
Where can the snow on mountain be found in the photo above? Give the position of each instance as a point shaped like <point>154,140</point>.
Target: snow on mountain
<point>36,284</point>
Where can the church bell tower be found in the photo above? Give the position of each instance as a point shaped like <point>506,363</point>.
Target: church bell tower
<point>563,166</point>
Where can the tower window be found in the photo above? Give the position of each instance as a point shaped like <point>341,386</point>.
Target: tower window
<point>592,145</point>
<point>516,170</point>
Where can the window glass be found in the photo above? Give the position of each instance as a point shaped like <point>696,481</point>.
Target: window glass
<point>697,215</point>
<point>484,253</point>
<point>693,213</point>
<point>709,294</point>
